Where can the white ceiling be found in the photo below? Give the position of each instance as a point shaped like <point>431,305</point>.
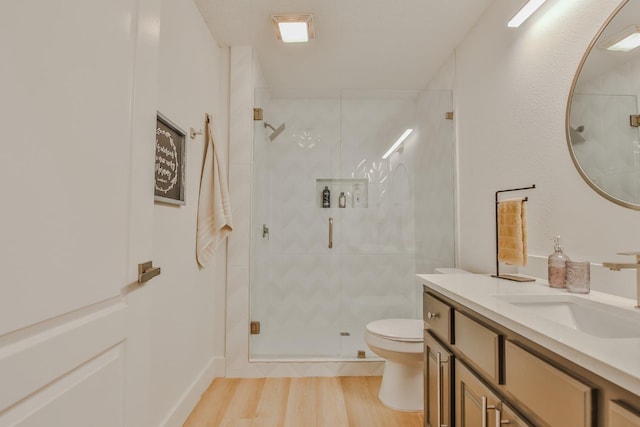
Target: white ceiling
<point>359,44</point>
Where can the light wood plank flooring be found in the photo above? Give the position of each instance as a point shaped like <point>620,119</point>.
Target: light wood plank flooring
<point>297,402</point>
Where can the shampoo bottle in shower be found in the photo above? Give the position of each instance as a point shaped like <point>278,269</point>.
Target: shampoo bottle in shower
<point>326,197</point>
<point>357,196</point>
<point>558,266</point>
<point>342,200</point>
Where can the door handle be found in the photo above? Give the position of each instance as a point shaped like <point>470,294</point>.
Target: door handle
<point>146,271</point>
<point>330,232</point>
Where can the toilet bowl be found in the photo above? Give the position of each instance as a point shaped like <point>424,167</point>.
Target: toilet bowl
<point>401,343</point>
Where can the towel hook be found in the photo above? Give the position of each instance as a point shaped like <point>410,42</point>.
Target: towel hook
<point>193,133</point>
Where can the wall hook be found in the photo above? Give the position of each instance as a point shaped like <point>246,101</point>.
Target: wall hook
<point>193,133</point>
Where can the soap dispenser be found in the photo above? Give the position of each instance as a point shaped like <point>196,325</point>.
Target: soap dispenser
<point>558,266</point>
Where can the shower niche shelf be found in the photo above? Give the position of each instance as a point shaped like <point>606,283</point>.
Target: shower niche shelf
<point>349,186</point>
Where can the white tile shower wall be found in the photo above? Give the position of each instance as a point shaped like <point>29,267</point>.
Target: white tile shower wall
<point>314,292</point>
<point>240,141</point>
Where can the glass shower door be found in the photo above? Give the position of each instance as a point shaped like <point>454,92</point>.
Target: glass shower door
<point>313,301</point>
<point>377,236</point>
<point>295,290</point>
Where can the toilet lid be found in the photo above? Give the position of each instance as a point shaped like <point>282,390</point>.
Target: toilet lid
<point>411,330</point>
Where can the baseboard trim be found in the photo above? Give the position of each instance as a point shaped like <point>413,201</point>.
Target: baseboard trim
<point>178,414</point>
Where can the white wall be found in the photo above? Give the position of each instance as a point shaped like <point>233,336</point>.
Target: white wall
<point>511,93</point>
<point>81,342</point>
<point>187,341</point>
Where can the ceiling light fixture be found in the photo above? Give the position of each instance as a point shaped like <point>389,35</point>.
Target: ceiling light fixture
<point>293,28</point>
<point>396,144</point>
<point>524,13</point>
<point>624,41</point>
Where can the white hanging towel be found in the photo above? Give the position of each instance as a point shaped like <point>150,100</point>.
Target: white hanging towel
<point>214,209</point>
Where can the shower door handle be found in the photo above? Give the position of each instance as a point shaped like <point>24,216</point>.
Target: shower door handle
<point>330,232</point>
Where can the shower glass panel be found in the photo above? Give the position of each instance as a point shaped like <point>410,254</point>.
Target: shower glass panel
<point>313,301</point>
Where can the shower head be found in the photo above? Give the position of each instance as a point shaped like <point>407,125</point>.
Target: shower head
<point>276,132</point>
<point>575,134</point>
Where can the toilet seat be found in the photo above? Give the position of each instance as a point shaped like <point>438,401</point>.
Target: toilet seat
<point>405,330</point>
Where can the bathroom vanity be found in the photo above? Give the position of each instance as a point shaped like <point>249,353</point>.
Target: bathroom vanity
<point>524,354</point>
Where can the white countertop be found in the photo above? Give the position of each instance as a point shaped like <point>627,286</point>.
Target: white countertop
<point>615,359</point>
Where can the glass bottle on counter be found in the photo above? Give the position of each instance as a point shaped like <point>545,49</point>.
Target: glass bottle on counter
<point>558,266</point>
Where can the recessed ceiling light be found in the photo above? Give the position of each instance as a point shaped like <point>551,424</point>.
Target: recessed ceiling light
<point>625,41</point>
<point>524,13</point>
<point>293,28</point>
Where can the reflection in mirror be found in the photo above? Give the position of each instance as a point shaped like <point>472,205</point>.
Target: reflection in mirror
<point>604,141</point>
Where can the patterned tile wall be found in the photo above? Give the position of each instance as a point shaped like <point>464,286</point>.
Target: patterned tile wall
<point>313,293</point>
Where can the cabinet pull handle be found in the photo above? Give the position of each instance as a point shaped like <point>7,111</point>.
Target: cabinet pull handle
<point>485,409</point>
<point>439,387</point>
<point>330,233</point>
<point>499,420</point>
<point>431,315</point>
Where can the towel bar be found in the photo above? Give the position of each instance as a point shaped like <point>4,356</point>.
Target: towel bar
<point>508,276</point>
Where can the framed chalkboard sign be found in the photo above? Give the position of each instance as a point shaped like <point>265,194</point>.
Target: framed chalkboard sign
<point>170,162</point>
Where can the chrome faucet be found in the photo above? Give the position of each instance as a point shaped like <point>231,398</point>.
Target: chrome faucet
<point>615,266</point>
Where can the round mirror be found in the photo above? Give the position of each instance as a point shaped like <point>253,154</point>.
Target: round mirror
<point>602,112</point>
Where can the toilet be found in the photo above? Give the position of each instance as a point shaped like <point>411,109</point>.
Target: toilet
<point>401,343</point>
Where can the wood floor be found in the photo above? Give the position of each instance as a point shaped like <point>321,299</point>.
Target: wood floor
<point>297,402</point>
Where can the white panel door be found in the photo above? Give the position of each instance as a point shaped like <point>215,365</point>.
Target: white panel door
<point>77,109</point>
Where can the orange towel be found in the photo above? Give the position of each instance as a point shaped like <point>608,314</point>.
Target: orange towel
<point>512,232</point>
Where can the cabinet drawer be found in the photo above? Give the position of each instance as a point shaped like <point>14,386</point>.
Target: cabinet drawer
<point>622,416</point>
<point>480,345</point>
<point>555,397</point>
<point>437,316</point>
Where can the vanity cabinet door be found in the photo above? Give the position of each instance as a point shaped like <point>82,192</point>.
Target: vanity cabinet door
<point>556,398</point>
<point>438,387</point>
<point>476,405</point>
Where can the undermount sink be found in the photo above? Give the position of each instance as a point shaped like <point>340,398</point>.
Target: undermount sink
<point>590,317</point>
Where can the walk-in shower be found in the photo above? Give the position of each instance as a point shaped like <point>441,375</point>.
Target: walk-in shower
<point>312,301</point>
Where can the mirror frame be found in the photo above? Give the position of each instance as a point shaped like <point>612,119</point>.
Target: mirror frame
<point>583,174</point>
